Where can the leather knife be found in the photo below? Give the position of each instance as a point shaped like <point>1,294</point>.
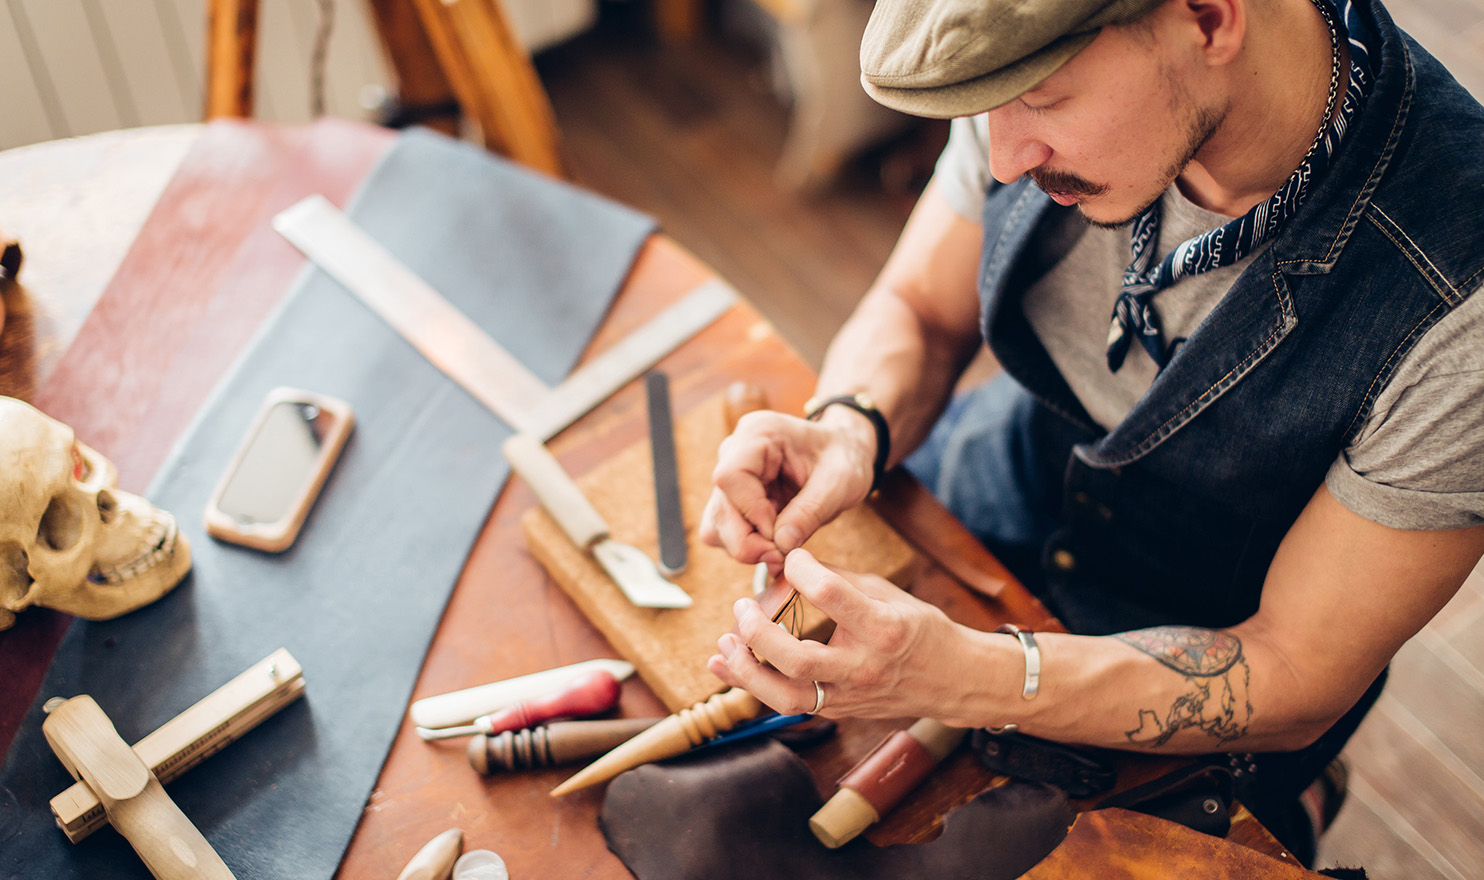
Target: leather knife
<point>628,566</point>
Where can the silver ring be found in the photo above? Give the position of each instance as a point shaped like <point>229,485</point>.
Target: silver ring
<point>818,698</point>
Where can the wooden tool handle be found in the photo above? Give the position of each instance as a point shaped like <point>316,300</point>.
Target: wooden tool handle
<point>742,398</point>
<point>587,694</point>
<point>559,495</point>
<point>92,750</point>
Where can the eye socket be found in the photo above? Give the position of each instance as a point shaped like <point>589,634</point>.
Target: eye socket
<point>61,525</point>
<point>108,506</point>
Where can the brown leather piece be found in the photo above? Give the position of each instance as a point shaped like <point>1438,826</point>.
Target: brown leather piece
<point>1116,844</point>
<point>744,813</point>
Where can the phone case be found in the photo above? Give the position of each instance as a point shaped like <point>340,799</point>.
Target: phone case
<point>277,536</point>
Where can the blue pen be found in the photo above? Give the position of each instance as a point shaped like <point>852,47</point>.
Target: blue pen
<point>756,727</point>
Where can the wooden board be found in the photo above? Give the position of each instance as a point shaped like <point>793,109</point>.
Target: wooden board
<point>669,647</point>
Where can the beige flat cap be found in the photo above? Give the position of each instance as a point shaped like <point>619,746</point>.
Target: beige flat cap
<point>945,58</point>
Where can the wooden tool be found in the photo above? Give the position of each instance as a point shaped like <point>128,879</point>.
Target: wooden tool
<point>881,779</point>
<point>194,735</point>
<point>671,736</point>
<point>435,860</point>
<point>91,749</point>
<point>632,571</point>
<point>561,742</point>
<point>588,694</point>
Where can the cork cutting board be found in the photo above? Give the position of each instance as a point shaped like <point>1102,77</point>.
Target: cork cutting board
<point>669,647</point>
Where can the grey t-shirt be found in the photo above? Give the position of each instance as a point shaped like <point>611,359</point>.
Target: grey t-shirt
<point>1417,464</point>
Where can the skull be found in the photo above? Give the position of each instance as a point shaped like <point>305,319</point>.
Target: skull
<point>69,540</point>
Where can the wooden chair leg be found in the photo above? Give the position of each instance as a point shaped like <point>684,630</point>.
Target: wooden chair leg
<point>422,87</point>
<point>492,75</point>
<point>231,34</point>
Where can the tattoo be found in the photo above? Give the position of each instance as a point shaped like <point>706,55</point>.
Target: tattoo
<point>1212,661</point>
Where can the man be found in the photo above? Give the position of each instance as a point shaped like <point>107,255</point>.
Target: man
<point>1228,259</point>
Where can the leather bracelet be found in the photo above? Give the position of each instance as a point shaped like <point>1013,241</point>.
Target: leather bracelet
<point>864,405</point>
<point>1027,641</point>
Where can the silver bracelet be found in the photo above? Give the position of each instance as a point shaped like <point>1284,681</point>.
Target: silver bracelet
<point>1032,659</point>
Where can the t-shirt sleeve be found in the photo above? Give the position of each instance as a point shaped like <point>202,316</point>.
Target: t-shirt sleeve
<point>962,173</point>
<point>1418,463</point>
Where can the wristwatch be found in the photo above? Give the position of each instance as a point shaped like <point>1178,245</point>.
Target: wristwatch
<point>863,404</point>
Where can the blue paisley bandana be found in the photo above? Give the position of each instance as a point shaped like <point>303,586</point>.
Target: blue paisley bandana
<point>1134,316</point>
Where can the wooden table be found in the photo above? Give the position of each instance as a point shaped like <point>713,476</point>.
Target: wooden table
<point>173,317</point>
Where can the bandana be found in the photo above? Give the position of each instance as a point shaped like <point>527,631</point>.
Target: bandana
<point>1134,316</point>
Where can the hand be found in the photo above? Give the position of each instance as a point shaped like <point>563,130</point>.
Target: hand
<point>780,478</point>
<point>891,655</point>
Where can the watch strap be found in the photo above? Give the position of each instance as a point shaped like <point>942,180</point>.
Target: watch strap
<point>864,405</point>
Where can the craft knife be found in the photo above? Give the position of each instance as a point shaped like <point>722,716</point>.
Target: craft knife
<point>633,572</point>
<point>670,521</point>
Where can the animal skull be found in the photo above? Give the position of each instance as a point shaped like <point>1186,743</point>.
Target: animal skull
<point>69,540</point>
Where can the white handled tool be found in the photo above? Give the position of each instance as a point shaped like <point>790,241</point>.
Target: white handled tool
<point>633,572</point>
<point>461,707</point>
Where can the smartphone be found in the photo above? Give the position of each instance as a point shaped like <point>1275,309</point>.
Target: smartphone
<point>266,492</point>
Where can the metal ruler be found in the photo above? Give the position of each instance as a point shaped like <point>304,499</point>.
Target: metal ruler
<point>463,351</point>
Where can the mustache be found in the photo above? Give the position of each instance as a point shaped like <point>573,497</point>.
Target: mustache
<point>1064,183</point>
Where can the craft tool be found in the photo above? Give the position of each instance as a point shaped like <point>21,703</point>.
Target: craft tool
<point>458,347</point>
<point>550,745</point>
<point>435,860</point>
<point>463,706</point>
<point>480,864</point>
<point>588,694</point>
<point>86,743</point>
<point>633,572</point>
<point>669,737</point>
<point>670,523</point>
<point>876,784</point>
<point>194,735</point>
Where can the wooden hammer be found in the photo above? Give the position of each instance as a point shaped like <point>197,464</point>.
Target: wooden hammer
<point>91,749</point>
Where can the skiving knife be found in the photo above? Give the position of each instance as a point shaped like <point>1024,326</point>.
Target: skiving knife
<point>633,571</point>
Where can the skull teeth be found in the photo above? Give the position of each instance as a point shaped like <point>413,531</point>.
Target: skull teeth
<point>161,543</point>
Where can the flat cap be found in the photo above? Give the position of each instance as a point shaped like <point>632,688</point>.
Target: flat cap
<point>944,58</point>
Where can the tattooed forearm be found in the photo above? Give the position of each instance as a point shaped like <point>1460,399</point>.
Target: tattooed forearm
<point>1212,661</point>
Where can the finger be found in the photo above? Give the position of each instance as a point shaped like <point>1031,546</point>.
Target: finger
<point>745,468</point>
<point>736,535</point>
<point>772,644</point>
<point>785,695</point>
<point>836,596</point>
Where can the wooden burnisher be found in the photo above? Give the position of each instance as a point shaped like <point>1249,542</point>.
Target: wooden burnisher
<point>561,742</point>
<point>669,737</point>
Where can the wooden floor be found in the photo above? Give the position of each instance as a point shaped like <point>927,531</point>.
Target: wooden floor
<point>692,135</point>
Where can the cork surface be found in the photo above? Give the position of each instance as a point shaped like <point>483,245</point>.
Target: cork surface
<point>669,647</point>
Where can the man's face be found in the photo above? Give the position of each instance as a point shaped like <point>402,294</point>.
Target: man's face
<point>1109,131</point>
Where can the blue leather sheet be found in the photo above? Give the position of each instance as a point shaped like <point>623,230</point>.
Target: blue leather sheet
<point>357,599</point>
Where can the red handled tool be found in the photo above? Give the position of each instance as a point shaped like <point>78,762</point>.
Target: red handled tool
<point>588,694</point>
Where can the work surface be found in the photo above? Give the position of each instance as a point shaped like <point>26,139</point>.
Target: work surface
<point>129,393</point>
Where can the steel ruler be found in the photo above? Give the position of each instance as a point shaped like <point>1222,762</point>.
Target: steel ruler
<point>463,351</point>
